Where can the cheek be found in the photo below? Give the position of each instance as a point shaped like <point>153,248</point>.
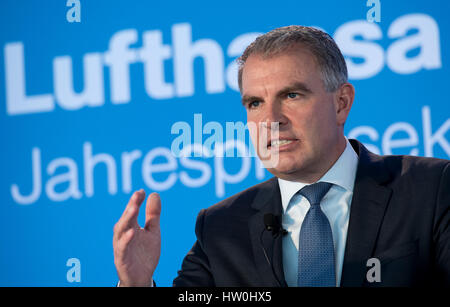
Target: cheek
<point>254,121</point>
<point>303,120</point>
<point>253,129</point>
<point>326,129</point>
<point>249,117</point>
<point>252,116</point>
<point>312,124</point>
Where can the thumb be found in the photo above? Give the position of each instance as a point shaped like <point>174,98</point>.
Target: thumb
<point>152,211</point>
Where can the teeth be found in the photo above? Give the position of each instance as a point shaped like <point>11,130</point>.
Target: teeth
<point>280,142</point>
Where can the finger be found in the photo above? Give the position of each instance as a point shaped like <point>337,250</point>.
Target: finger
<point>135,202</point>
<point>131,212</point>
<point>152,211</point>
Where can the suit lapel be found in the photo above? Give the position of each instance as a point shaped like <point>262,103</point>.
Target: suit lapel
<point>267,200</point>
<point>370,199</point>
<point>369,203</point>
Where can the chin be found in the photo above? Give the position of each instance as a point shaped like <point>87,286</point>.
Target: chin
<point>284,170</point>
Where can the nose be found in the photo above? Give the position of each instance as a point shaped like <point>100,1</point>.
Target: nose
<point>274,116</point>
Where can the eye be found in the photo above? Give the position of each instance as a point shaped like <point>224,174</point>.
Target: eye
<point>292,95</point>
<point>254,104</point>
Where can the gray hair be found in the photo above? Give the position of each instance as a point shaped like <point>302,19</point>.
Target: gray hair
<point>328,56</point>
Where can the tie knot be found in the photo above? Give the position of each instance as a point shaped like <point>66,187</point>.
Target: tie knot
<point>315,192</point>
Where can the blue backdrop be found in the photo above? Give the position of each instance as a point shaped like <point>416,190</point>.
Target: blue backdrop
<point>87,111</point>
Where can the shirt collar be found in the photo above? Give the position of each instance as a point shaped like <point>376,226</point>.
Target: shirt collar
<point>342,174</point>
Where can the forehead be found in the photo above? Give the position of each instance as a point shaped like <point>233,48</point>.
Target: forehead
<point>294,65</point>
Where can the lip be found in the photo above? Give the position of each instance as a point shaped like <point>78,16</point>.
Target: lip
<point>284,147</point>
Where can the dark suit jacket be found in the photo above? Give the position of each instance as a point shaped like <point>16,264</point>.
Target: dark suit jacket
<point>400,214</point>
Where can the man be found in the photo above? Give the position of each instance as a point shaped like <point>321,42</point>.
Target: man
<point>333,209</point>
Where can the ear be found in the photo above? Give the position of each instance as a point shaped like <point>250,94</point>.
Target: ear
<point>343,102</point>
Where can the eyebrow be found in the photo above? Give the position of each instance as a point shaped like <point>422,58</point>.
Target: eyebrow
<point>247,99</point>
<point>296,86</point>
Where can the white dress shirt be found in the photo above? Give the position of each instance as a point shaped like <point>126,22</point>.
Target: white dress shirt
<point>335,205</point>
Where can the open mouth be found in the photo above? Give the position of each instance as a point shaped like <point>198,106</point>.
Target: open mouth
<point>281,144</point>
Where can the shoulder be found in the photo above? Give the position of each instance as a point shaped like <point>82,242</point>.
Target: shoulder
<point>244,200</point>
<point>232,213</point>
<point>399,167</point>
<point>420,168</point>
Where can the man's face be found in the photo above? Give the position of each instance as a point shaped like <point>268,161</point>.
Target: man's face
<point>288,89</point>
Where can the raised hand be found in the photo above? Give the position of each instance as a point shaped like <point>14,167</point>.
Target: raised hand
<point>136,249</point>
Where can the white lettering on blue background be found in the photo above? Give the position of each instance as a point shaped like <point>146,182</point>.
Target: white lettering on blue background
<point>211,165</point>
<point>184,49</point>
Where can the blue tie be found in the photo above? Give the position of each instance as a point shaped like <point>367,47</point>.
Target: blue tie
<point>316,248</point>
